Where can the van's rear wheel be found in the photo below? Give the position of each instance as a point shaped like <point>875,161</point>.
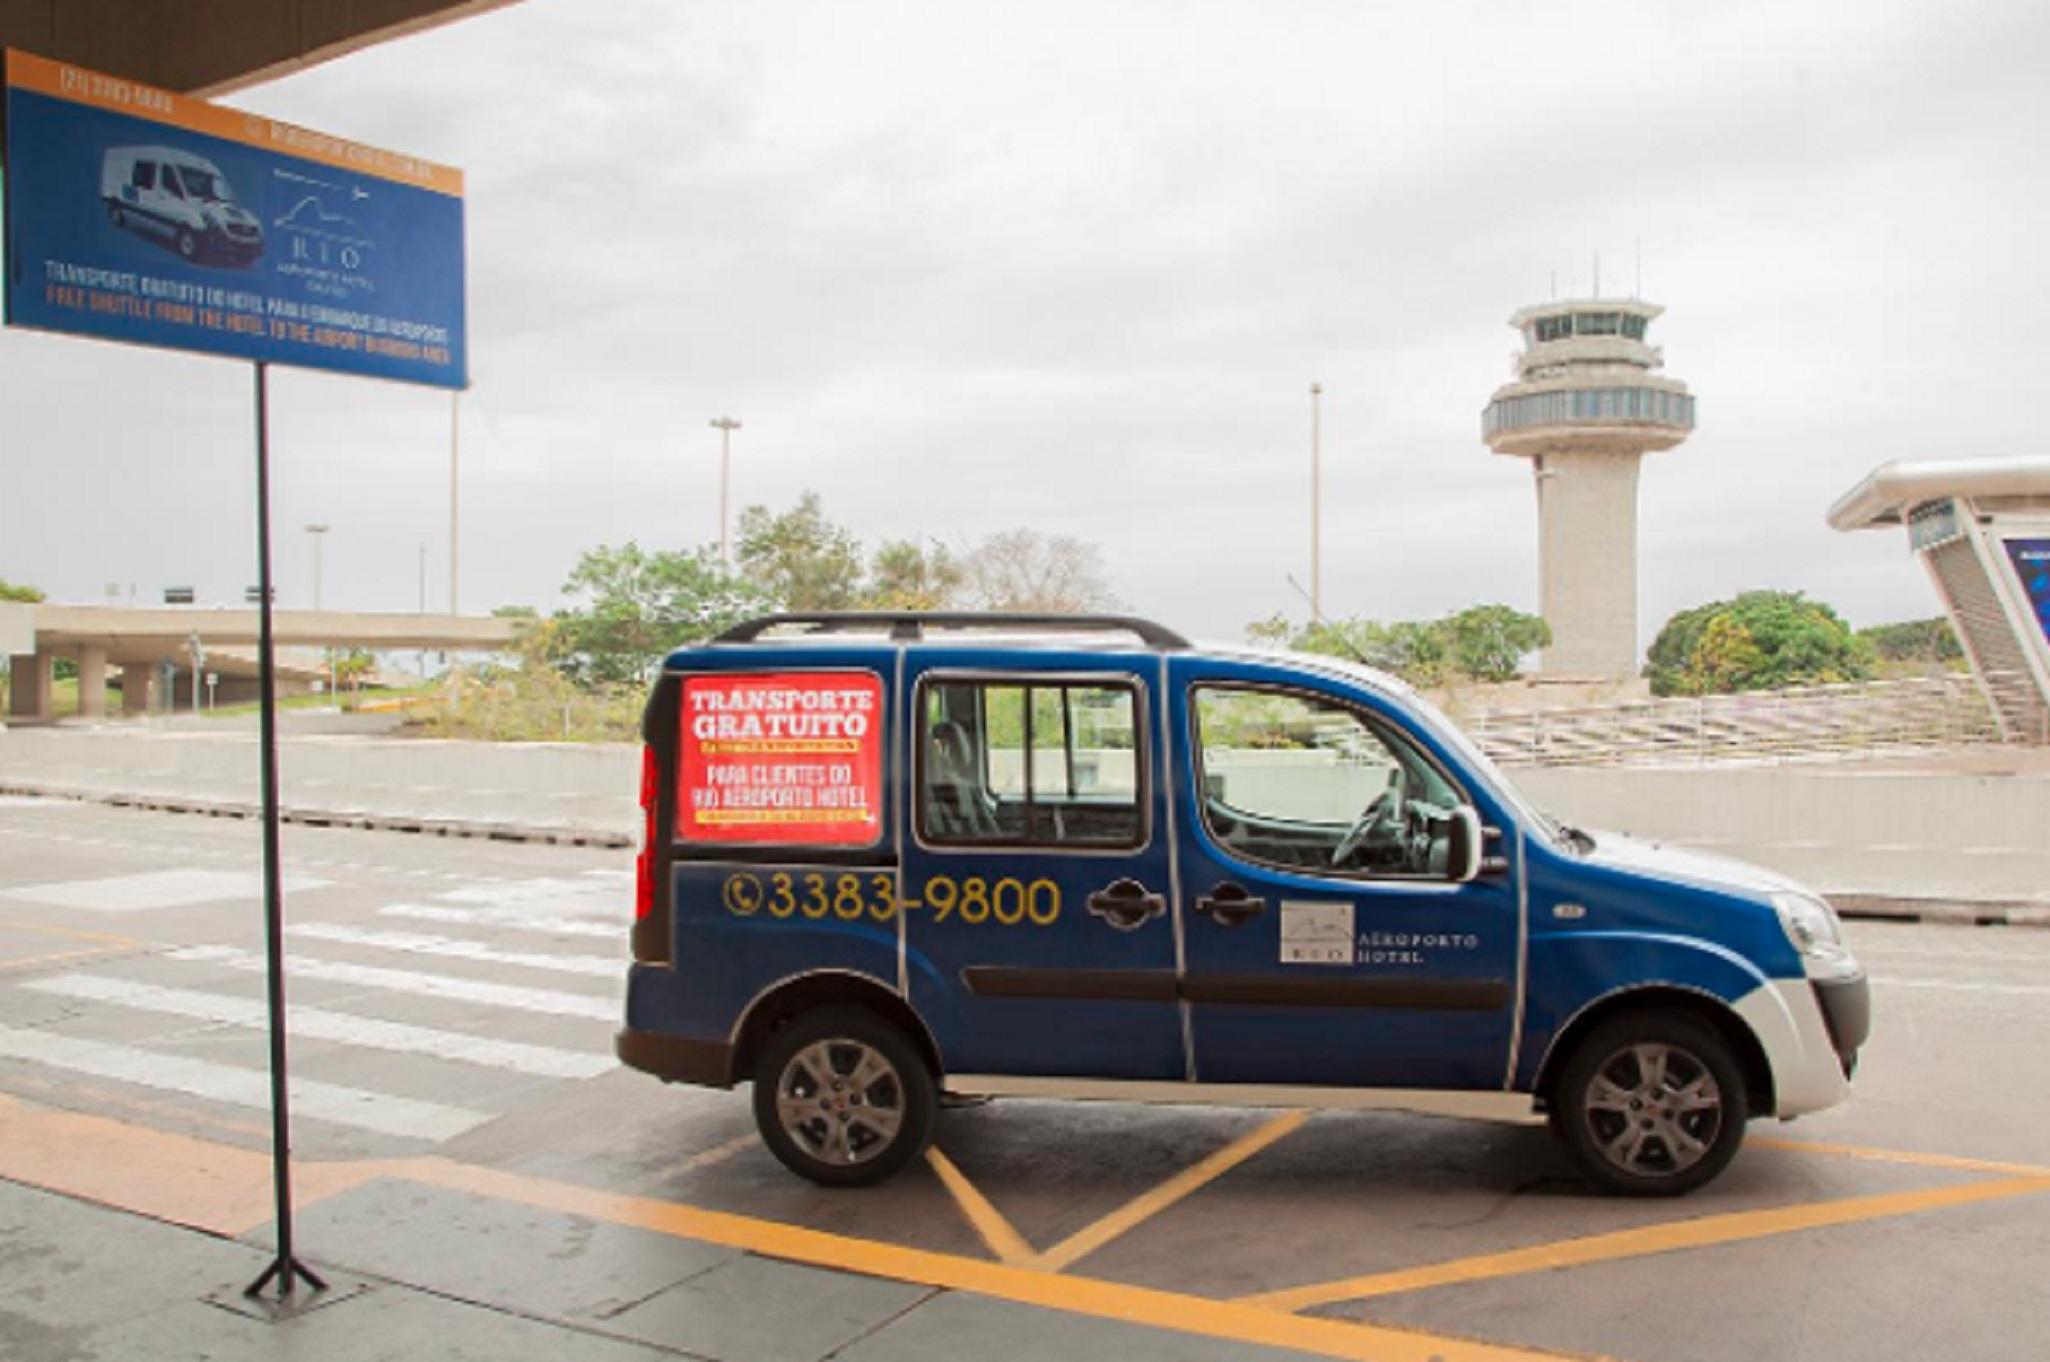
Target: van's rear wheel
<point>1651,1104</point>
<point>842,1097</point>
<point>188,245</point>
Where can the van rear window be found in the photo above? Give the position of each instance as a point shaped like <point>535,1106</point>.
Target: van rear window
<point>781,759</point>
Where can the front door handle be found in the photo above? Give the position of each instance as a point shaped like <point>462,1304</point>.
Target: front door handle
<point>1229,904</point>
<point>1126,904</point>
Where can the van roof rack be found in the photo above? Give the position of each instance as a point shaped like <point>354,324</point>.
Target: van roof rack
<point>910,626</point>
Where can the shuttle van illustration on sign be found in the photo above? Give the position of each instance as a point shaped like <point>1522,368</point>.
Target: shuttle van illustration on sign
<point>893,857</point>
<point>179,200</point>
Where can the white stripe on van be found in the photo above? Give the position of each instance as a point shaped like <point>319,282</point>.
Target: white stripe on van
<point>355,1107</point>
<point>504,917</point>
<point>407,981</point>
<point>367,1032</point>
<point>419,943</point>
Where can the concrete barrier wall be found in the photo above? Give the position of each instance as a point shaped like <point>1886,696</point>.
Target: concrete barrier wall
<point>1879,833</point>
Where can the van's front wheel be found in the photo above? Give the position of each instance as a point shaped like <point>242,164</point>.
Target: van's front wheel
<point>843,1098</point>
<point>1651,1104</point>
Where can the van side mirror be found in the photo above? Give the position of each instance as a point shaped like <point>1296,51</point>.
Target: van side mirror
<point>1463,837</point>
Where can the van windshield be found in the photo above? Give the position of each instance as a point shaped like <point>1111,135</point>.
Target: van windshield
<point>204,185</point>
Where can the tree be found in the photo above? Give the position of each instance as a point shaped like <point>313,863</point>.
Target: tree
<point>24,595</point>
<point>1672,652</point>
<point>1488,641</point>
<point>907,575</point>
<point>800,559</point>
<point>635,606</point>
<point>353,667</point>
<point>1930,644</point>
<point>1762,640</point>
<point>1480,643</point>
<point>1023,569</point>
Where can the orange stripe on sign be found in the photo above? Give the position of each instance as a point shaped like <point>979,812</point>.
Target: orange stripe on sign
<point>62,80</point>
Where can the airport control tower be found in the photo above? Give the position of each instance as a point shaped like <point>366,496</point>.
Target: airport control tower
<point>1588,400</point>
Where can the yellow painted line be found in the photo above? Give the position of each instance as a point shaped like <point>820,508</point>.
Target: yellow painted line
<point>1229,1320</point>
<point>214,1187</point>
<point>1092,1237</point>
<point>72,933</point>
<point>226,1190</point>
<point>717,1154</point>
<point>1664,1238</point>
<point>1910,1157</point>
<point>1005,1242</point>
<point>59,957</point>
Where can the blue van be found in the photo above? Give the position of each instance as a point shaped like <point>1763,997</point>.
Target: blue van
<point>895,858</point>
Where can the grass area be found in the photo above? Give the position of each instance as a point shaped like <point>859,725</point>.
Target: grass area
<point>351,701</point>
<point>531,706</point>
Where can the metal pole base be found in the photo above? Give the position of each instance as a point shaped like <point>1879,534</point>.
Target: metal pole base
<point>287,1272</point>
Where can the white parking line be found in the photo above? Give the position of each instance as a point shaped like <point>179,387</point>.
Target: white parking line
<point>419,943</point>
<point>541,1000</point>
<point>503,917</point>
<point>320,1024</point>
<point>157,889</point>
<point>1967,986</point>
<point>356,1107</point>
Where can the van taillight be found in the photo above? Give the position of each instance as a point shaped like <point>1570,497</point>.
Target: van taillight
<point>644,866</point>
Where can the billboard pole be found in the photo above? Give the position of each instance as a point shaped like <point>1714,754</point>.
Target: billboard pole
<point>285,1269</point>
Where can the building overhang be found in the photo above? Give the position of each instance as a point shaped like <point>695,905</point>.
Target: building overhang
<point>1889,492</point>
<point>213,47</point>
<point>129,636</point>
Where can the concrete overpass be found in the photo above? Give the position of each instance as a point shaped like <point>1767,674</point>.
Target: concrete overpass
<point>210,47</point>
<point>138,640</point>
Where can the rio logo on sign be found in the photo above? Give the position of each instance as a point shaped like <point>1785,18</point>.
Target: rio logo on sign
<point>782,759</point>
<point>134,214</point>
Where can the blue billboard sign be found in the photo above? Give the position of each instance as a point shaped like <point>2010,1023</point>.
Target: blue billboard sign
<point>133,214</point>
<point>2031,559</point>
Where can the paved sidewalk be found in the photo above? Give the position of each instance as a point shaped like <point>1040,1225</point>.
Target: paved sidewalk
<point>475,1278</point>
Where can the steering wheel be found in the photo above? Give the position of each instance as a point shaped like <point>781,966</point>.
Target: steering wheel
<point>1380,811</point>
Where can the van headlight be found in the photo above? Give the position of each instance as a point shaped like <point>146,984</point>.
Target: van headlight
<point>1817,933</point>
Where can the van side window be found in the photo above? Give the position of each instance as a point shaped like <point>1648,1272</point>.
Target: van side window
<point>1004,763</point>
<point>144,175</point>
<point>1298,781</point>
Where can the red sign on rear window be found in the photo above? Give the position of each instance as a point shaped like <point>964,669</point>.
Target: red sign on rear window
<point>782,758</point>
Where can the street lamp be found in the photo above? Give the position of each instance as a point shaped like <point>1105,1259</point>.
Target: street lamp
<point>319,533</point>
<point>725,425</point>
<point>1316,502</point>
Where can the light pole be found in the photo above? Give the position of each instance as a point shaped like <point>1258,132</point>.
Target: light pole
<point>319,533</point>
<point>725,425</point>
<point>455,427</point>
<point>1316,501</point>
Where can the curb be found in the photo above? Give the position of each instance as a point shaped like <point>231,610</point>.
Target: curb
<point>554,835</point>
<point>1850,904</point>
<point>1948,912</point>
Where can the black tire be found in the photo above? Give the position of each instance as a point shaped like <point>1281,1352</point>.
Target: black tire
<point>188,245</point>
<point>833,1135</point>
<point>116,216</point>
<point>1651,1104</point>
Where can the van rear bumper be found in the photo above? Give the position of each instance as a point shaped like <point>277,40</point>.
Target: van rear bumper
<point>705,1063</point>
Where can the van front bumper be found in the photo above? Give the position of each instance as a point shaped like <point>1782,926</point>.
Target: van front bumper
<point>1847,1015</point>
<point>705,1063</point>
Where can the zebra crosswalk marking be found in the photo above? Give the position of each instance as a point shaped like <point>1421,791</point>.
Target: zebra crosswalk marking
<point>514,996</point>
<point>331,1102</point>
<point>503,917</point>
<point>321,1024</point>
<point>456,948</point>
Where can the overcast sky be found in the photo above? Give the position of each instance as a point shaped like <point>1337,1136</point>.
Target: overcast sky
<point>964,267</point>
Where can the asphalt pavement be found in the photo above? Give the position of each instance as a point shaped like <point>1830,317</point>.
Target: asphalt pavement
<point>479,1178</point>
